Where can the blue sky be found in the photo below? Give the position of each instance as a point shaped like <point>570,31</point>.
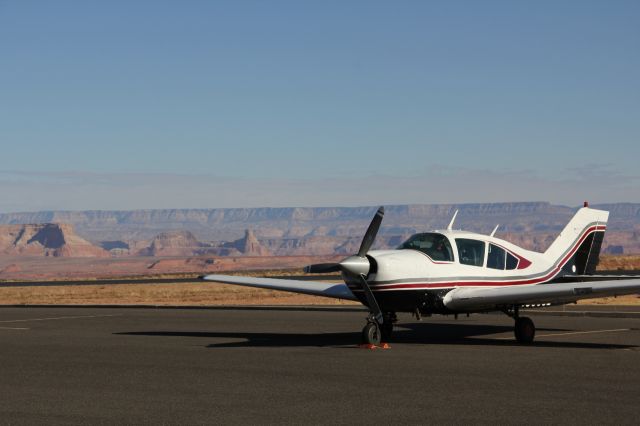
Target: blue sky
<point>149,104</point>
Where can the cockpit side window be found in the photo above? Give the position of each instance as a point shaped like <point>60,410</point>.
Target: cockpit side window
<point>434,245</point>
<point>470,252</point>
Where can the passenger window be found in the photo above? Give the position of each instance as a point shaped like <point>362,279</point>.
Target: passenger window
<point>471,252</point>
<point>512,261</point>
<point>496,257</point>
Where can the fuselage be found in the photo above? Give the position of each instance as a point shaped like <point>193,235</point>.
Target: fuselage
<point>418,274</point>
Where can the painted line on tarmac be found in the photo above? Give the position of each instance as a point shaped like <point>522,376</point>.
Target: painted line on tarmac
<point>60,318</point>
<point>573,332</point>
<point>615,330</point>
<point>14,328</point>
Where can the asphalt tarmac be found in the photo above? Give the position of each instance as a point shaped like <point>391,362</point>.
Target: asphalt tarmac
<point>211,366</point>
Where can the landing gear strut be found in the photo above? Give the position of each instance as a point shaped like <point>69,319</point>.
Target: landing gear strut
<point>524,329</point>
<point>373,333</point>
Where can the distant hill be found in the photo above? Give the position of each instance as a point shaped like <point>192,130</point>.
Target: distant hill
<point>323,230</point>
<point>49,239</point>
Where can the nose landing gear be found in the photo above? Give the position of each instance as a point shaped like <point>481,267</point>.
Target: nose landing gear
<point>374,333</point>
<point>371,334</point>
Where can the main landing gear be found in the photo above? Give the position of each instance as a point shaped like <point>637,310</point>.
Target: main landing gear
<point>524,329</point>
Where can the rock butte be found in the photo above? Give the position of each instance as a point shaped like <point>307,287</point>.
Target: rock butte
<point>48,239</point>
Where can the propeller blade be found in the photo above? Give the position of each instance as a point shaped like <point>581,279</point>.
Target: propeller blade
<point>372,231</point>
<point>321,268</point>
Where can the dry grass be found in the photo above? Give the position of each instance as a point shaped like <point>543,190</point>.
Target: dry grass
<point>619,263</point>
<point>628,300</point>
<point>198,294</point>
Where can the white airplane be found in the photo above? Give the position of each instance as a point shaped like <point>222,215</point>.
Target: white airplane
<point>457,272</point>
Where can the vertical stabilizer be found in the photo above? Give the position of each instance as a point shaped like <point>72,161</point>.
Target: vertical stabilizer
<point>577,248</point>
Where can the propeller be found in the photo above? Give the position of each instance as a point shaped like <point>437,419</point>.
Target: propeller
<point>357,264</point>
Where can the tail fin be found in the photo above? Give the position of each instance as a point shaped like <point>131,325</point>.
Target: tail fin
<point>577,248</point>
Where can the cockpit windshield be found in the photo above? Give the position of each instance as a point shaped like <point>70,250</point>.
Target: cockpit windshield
<point>434,245</point>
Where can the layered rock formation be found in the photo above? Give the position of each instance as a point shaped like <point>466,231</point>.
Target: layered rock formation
<point>184,243</point>
<point>48,239</point>
<point>300,222</point>
<point>250,246</point>
<point>327,230</point>
<point>173,243</point>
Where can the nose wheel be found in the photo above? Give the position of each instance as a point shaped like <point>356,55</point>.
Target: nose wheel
<point>371,334</point>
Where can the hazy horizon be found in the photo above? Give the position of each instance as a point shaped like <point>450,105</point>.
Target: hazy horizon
<point>89,191</point>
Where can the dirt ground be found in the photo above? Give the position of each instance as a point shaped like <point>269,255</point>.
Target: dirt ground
<point>196,294</point>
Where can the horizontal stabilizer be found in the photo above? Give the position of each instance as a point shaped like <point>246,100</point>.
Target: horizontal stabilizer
<point>315,288</point>
<point>470,299</point>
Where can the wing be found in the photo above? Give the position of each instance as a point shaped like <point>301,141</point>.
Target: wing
<point>584,278</point>
<point>334,290</point>
<point>469,299</point>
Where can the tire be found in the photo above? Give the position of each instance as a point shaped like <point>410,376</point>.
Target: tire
<point>524,330</point>
<point>387,330</point>
<point>371,334</point>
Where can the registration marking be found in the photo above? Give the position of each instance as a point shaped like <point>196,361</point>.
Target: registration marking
<point>59,318</point>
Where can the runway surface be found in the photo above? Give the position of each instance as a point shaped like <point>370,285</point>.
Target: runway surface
<point>172,366</point>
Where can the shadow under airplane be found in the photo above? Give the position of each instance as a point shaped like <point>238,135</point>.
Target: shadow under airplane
<point>412,333</point>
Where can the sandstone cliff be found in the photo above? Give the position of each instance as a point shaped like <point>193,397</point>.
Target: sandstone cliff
<point>250,246</point>
<point>184,243</point>
<point>173,243</point>
<point>48,239</point>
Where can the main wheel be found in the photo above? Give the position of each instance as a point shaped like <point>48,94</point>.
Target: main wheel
<point>386,329</point>
<point>371,334</point>
<point>524,330</point>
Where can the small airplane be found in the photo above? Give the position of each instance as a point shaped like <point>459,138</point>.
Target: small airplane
<point>457,272</point>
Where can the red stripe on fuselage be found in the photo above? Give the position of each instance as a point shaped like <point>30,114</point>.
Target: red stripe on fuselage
<point>549,276</point>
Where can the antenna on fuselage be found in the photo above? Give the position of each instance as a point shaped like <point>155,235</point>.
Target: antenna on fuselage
<point>450,227</point>
<point>494,230</point>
